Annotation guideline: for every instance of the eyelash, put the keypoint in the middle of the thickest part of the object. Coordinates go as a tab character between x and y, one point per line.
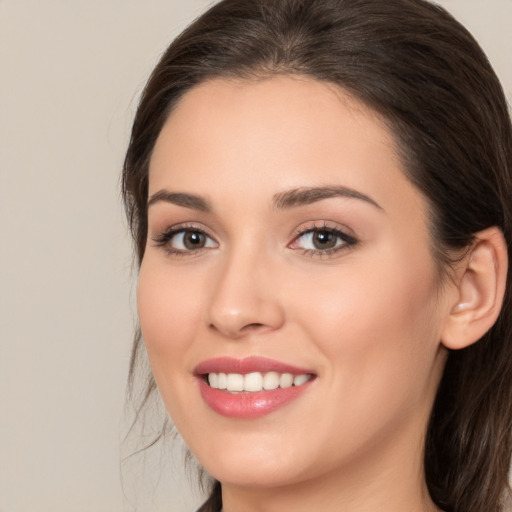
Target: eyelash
347	240
163	240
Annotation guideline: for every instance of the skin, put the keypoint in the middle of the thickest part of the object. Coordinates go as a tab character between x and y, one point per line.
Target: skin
367	319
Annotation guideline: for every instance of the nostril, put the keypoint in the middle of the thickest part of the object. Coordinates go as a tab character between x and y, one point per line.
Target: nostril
239	331
252	327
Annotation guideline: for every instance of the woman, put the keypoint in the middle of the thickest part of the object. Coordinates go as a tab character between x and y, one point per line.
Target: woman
319	194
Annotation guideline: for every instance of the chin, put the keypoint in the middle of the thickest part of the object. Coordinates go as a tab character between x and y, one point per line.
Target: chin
250	463
243	474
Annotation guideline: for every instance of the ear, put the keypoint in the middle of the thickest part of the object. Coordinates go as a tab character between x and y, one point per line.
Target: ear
481	283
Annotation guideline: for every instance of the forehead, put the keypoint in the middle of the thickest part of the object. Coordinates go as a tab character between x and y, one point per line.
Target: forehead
256	138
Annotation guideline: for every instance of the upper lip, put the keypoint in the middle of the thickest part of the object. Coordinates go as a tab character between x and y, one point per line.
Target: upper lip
247	365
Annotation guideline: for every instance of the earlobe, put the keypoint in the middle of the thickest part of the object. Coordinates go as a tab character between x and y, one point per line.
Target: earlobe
481	282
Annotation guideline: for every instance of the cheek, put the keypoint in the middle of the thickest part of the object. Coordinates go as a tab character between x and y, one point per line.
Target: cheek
377	324
168	313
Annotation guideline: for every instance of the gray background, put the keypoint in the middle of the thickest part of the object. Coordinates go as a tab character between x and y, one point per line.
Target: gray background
71	73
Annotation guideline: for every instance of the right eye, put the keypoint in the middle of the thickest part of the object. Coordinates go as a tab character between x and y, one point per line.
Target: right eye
183	240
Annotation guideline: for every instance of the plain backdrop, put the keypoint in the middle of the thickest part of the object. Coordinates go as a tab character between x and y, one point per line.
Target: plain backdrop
71	72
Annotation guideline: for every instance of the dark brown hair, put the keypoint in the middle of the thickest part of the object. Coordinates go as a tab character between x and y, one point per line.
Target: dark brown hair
423	72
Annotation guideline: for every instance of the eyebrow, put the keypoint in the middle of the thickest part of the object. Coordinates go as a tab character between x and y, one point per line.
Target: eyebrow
180	199
283	200
307	195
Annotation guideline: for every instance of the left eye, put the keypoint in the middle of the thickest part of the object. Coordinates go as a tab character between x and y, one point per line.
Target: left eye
323	239
190	240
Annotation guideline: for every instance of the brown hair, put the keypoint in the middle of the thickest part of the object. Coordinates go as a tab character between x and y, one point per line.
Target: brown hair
424	73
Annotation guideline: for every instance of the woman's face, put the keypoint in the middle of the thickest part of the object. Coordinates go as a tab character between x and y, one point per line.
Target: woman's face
285	244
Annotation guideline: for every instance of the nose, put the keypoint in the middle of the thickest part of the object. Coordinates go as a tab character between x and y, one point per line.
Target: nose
245	298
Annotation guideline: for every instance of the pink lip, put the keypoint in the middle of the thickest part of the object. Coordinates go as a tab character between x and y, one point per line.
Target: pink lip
247	405
247	365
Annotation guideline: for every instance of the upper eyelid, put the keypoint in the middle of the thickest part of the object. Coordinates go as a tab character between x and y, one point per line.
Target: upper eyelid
183	226
319	225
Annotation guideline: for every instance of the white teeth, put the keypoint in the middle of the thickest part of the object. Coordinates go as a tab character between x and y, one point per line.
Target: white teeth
213	380
222	381
255	381
286	380
298	380
235	382
271	381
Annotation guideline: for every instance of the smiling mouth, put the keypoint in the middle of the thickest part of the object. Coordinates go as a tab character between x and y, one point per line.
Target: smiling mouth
251	387
255	381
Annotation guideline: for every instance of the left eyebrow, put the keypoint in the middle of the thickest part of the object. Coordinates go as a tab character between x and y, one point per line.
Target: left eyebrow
307	195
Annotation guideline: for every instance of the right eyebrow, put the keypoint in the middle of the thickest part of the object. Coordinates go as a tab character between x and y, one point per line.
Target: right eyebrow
180	199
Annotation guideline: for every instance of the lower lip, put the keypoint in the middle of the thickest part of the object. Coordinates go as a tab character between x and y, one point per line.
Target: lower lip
249	405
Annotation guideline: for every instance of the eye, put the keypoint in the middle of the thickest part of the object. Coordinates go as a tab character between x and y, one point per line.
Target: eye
184	240
190	240
322	240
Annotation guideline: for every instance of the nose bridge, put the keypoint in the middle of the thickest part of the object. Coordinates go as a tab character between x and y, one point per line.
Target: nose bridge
244	298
